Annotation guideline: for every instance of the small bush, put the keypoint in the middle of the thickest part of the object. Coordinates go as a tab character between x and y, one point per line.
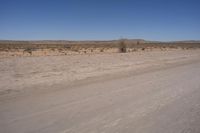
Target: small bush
122	46
29	50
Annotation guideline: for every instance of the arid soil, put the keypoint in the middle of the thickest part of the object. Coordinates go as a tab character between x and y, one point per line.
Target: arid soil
141	92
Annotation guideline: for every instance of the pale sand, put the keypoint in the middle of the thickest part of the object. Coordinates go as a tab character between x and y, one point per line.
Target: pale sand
22	73
142	92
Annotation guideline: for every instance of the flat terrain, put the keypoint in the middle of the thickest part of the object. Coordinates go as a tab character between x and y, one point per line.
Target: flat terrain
141	92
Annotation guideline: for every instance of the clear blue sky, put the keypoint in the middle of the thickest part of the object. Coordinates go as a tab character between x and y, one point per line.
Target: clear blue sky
100	19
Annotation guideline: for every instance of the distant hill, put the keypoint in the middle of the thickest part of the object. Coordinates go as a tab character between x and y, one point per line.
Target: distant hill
89	41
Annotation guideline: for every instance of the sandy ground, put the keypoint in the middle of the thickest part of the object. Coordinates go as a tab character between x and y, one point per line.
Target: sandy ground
141	92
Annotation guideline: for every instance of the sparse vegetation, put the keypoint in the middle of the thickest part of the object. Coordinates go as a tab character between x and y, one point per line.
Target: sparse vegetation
123	46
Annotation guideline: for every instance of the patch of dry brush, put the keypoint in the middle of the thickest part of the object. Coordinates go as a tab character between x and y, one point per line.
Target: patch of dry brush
31	48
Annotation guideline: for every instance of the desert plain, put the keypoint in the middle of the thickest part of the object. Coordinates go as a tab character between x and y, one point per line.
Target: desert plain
145	91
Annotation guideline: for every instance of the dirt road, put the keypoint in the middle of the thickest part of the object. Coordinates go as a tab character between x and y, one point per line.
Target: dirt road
162	97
